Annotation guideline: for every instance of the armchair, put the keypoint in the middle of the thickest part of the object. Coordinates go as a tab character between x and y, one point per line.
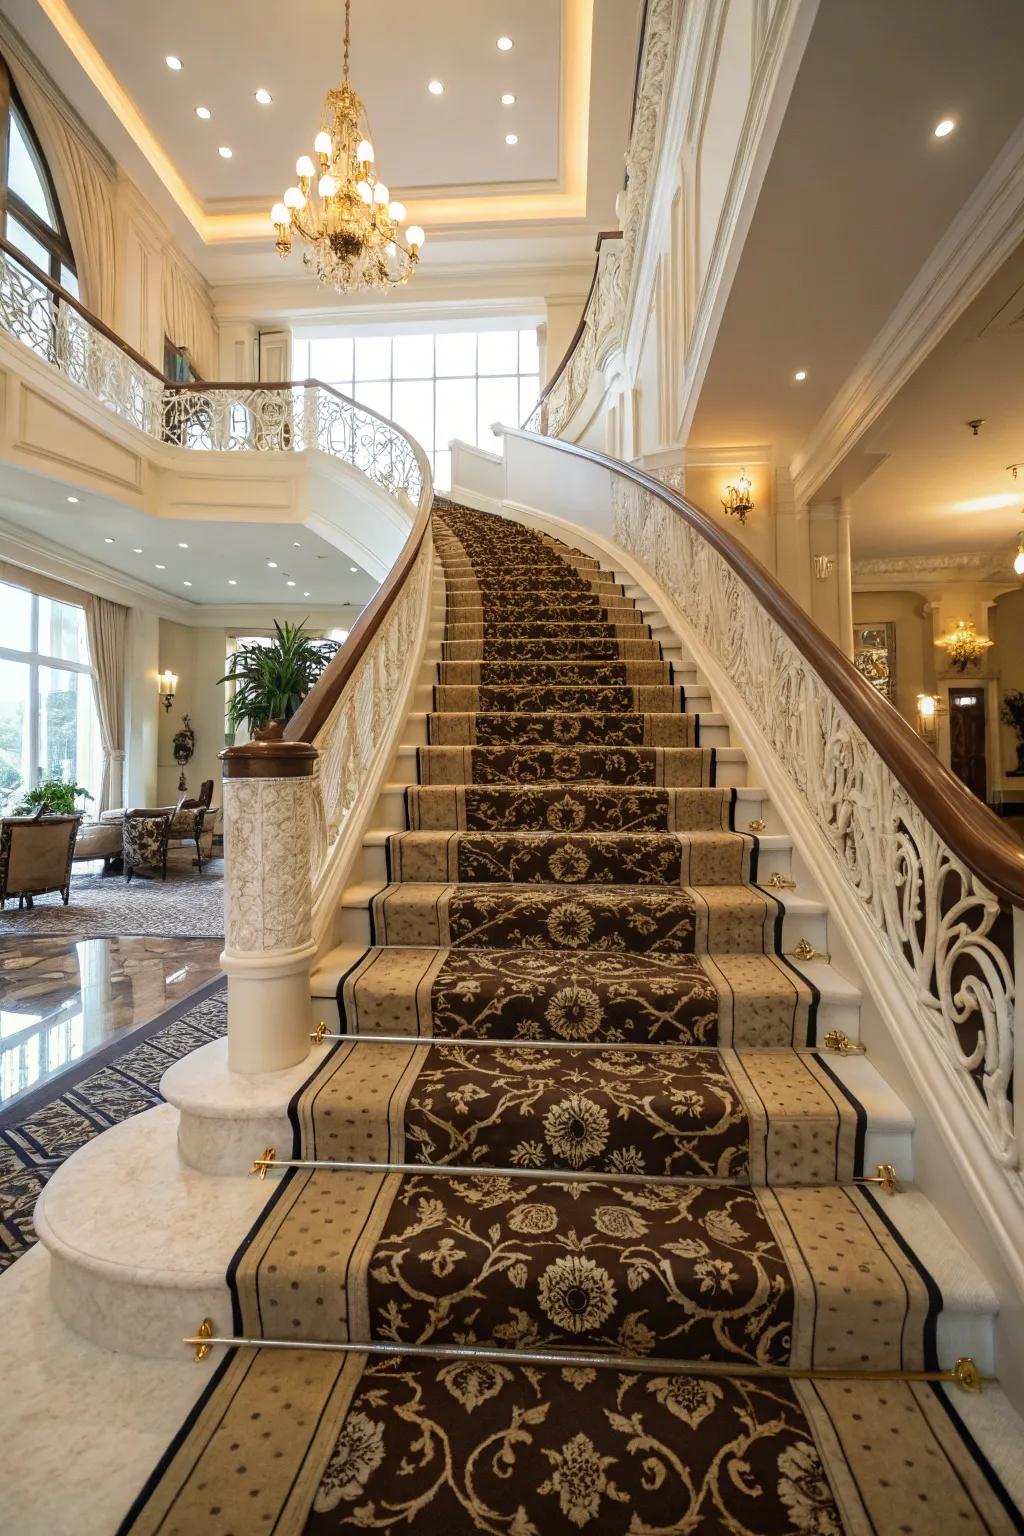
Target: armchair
145	836
35	856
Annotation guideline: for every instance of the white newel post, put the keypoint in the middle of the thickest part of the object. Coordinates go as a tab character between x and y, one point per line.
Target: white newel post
268	841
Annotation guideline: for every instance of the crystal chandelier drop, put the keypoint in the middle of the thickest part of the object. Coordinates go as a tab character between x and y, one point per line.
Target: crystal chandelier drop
340	209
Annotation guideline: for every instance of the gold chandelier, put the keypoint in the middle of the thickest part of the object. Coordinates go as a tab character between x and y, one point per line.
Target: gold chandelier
341	209
963	646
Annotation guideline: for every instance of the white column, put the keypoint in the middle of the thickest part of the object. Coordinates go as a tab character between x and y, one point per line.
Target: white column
268	898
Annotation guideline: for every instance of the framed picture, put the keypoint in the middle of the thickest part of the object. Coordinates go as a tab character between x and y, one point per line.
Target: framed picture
874	656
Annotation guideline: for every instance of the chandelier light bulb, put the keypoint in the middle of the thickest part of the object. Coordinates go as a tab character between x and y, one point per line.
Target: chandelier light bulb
380	193
364	151
365	191
293	198
414	236
396	211
305	167
322	143
280	214
327	186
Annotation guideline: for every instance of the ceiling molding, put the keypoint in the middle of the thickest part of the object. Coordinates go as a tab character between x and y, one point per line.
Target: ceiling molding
49	559
978	566
981	237
567	201
717	458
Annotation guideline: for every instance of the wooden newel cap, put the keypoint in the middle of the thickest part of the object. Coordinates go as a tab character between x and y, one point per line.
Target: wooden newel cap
269	756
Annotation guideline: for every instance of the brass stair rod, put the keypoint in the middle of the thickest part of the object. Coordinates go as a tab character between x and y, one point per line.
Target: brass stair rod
964	1373
322	1033
886	1175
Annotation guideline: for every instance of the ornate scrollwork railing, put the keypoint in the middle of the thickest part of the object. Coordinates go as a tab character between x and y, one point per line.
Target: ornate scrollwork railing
220	418
946	930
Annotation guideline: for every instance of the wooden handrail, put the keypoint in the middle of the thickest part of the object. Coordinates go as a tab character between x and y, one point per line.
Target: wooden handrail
965	824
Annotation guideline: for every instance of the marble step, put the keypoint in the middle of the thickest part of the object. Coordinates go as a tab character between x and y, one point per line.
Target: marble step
775	853
801	917
839	1001
392	807
140	1245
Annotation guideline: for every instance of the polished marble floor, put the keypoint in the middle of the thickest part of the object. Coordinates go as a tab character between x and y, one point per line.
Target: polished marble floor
65	1000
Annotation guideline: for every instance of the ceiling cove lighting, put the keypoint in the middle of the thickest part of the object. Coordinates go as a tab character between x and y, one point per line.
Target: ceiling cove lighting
945	128
172	61
504	44
204	113
348	225
435	87
508	100
264	97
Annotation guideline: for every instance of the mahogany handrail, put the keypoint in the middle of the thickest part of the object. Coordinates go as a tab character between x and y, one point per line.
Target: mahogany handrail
967	826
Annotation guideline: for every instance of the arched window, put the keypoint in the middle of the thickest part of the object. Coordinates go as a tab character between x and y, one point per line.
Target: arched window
31	218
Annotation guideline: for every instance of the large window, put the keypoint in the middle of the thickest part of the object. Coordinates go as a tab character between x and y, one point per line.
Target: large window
438	387
49	728
30	215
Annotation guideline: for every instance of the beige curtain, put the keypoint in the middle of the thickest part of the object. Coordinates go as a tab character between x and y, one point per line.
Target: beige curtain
108	635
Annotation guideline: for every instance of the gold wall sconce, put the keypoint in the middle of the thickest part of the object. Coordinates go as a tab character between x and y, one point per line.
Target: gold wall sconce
737	499
964	646
167	686
1018	559
823	567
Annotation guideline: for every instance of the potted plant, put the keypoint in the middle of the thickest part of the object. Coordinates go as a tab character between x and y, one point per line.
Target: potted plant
1012	714
57	796
272	678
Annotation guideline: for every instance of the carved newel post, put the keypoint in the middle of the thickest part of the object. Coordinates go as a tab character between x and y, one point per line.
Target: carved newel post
268	835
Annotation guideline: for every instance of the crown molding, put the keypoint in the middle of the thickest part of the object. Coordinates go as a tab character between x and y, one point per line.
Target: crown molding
982	235
983	567
710	457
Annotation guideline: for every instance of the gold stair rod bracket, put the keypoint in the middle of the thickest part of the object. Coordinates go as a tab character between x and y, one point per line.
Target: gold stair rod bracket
805	950
966	1374
777	881
884	1176
200	1340
839	1043
261	1164
757	825
320	1033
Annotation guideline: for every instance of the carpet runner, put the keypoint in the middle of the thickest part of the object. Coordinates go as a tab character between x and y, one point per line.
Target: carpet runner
582	1078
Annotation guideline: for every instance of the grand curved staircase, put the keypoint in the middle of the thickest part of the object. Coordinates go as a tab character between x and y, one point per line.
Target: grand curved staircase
587	1158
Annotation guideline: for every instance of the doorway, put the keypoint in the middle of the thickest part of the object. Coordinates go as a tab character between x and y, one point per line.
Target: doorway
967	738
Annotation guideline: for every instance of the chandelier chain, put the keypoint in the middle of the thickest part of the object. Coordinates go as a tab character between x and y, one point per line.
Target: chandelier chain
348	12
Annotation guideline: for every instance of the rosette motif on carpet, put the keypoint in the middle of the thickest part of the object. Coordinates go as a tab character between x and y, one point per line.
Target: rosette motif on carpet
603	1131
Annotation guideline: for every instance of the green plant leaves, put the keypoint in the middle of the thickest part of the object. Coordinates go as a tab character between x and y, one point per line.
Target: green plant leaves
272	680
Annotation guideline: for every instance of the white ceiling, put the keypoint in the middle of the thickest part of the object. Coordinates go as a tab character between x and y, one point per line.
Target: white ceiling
932	486
857	194
294	50
216	553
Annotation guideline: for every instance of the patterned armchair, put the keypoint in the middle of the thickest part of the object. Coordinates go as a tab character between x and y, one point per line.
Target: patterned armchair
35	856
145	836
187	827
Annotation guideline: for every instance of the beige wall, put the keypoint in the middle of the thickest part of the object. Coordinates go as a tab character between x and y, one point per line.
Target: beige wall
1007	630
915	652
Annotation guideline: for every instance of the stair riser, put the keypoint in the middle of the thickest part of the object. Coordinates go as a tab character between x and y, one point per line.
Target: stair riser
390	815
731	770
375	864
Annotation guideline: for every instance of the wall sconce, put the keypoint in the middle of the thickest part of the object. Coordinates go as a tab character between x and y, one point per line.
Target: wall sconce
737	500
963	646
823	566
167	684
928	711
1018	559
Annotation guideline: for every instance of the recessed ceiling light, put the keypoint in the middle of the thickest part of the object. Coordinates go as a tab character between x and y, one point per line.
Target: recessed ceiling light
232	582
305	594
108	541
264	97
186	583
204	113
296	544
172	61
224	152
511	138
159	567
291	583
800	375
272	564
508	100
73	500
181	545
136	551
353	568
435	87
945	128
505	43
